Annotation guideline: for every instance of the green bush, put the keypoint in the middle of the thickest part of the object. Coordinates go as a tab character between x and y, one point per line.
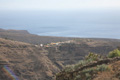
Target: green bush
92	56
88	76
102	67
78	77
82	63
88	59
114	53
69	68
89	70
88	73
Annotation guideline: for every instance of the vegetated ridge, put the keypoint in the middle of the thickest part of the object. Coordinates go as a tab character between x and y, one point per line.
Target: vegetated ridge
73	51
93	67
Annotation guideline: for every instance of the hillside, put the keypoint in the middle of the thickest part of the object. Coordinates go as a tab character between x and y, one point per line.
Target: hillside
30	61
14	31
92	67
26	61
72	51
25	36
34	62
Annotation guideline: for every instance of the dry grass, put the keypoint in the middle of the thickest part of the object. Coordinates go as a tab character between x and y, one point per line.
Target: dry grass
113	74
26	60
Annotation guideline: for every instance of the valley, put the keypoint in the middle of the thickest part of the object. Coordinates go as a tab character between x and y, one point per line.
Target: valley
31	61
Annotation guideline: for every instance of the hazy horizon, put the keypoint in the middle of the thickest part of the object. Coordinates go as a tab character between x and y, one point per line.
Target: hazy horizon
73	18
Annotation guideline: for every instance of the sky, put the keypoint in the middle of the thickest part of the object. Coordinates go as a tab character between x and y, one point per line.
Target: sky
58	4
86	18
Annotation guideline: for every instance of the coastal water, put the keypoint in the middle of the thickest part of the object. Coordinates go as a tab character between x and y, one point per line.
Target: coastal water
99	24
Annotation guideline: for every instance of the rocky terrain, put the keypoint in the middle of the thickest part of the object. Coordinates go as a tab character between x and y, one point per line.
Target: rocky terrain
31	61
74	51
27	61
92	68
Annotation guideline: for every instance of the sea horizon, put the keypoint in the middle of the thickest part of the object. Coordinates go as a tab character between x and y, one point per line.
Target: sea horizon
86	24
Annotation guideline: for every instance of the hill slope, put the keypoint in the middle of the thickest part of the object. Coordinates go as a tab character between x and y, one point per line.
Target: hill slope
27	61
74	51
24	36
92	69
30	61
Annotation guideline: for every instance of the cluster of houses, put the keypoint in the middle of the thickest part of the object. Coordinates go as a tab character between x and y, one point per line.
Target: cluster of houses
41	45
54	44
58	43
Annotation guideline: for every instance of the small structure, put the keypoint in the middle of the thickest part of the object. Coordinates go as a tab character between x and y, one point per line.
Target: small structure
41	45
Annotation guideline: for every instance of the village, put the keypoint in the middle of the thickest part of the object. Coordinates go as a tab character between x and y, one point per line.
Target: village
53	44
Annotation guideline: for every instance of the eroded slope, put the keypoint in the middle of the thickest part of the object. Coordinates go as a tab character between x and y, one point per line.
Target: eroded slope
27	61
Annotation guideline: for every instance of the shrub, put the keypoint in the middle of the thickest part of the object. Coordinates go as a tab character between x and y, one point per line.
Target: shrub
114	53
93	57
82	63
88	73
88	59
69	68
89	70
103	67
78	77
88	76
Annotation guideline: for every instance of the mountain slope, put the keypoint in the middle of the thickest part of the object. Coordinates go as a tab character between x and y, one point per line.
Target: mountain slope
92	68
25	36
27	61
74	51
30	61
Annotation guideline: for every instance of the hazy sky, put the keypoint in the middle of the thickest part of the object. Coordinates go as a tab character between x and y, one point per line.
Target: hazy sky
90	18
58	4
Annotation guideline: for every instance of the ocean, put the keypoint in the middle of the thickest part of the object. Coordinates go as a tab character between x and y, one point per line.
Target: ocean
83	24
